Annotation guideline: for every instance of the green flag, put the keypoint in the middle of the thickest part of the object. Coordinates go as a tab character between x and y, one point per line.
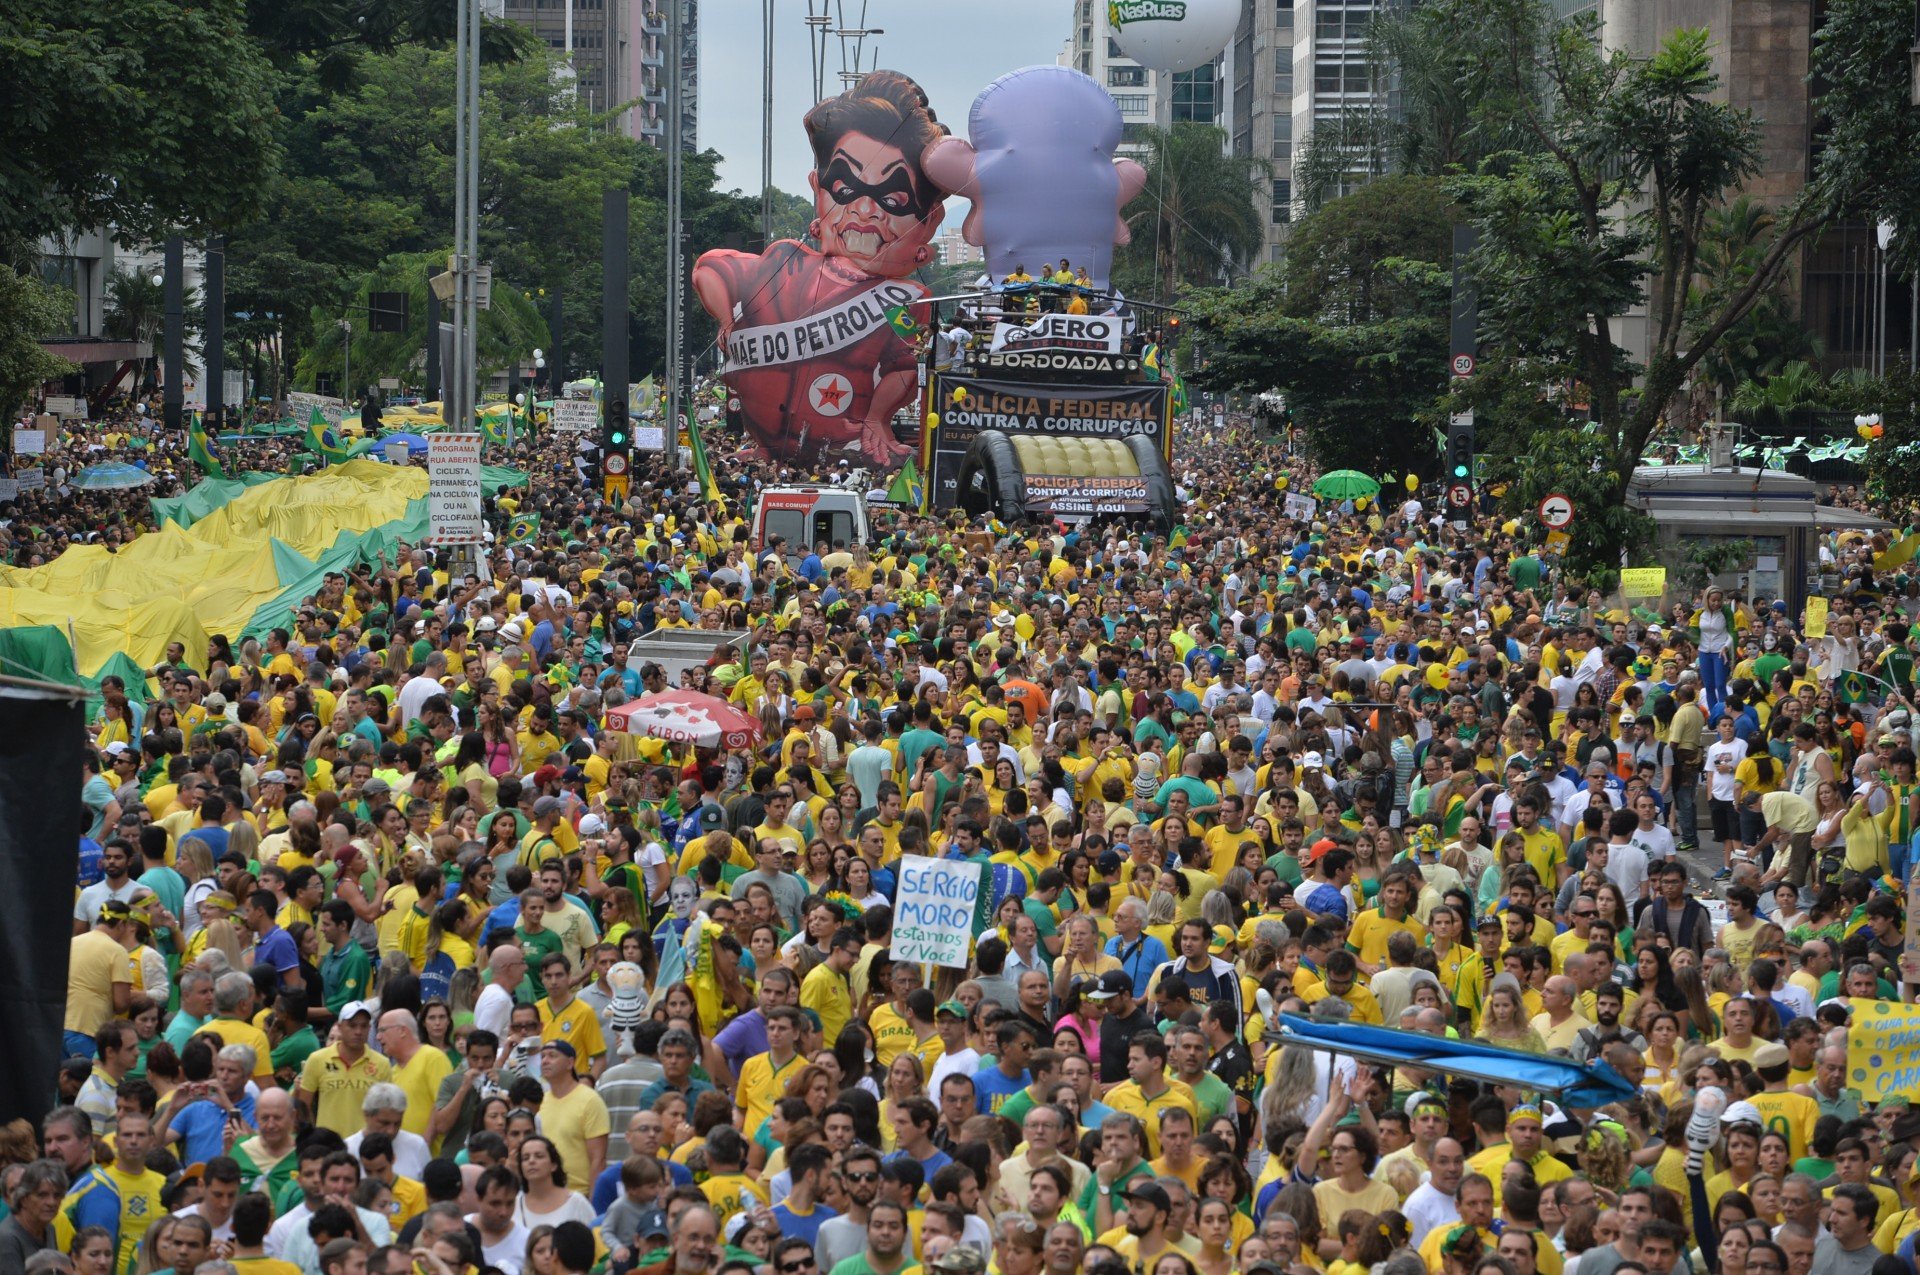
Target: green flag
907	490
1854	686
904	325
200	449
523	530
702	469
323	441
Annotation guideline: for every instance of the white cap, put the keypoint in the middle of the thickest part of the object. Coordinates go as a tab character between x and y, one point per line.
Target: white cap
1742	1112
1312	761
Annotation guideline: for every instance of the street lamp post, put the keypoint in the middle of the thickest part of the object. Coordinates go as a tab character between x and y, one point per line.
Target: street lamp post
1883	232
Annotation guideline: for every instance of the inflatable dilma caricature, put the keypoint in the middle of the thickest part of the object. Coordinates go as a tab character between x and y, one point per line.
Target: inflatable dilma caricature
817	342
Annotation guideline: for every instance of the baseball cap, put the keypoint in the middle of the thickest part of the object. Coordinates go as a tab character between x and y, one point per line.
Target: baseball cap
955	1008
1312	761
116	748
1742	1112
1222	938
352	1008
961	1259
1319	849
1112	983
376	785
545	806
712	818
561	1047
274	777
1153	1193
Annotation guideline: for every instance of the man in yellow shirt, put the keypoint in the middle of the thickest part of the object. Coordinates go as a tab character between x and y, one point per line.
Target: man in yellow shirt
763	1077
573	1116
564	1016
337	1077
417	1069
1372	928
826	991
1147	1090
1342	982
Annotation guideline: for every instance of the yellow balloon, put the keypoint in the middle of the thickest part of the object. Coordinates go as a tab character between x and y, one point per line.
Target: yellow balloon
1360	504
1280	483
1413	482
933	420
959	393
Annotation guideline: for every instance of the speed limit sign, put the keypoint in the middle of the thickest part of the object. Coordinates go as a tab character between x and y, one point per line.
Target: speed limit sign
1463	365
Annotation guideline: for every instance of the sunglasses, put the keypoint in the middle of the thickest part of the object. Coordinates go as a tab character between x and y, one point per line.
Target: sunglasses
804	1264
863	1177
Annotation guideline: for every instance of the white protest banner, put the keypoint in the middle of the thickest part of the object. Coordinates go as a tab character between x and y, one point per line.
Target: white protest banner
33	478
649	438
9	490
1299	507
300	407
453	490
1095	333
67	405
28	441
576	415
934	910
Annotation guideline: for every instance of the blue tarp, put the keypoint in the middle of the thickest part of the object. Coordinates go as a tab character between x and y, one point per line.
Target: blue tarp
1592	1085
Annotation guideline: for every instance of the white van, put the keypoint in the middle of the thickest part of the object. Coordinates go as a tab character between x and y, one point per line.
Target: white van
806	515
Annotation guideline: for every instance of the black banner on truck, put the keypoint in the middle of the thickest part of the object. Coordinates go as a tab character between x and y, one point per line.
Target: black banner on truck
1024	407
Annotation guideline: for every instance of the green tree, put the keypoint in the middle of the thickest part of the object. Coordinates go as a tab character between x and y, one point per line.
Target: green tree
28	310
511	327
1351	327
146	116
1609	206
1195	219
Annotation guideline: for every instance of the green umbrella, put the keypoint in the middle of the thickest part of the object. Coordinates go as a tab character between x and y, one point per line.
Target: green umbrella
1346	484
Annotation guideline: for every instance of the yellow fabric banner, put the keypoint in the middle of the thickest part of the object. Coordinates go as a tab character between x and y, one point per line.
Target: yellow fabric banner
180	586
1883	1048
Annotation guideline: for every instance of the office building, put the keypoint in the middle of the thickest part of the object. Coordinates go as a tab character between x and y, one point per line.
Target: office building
619	55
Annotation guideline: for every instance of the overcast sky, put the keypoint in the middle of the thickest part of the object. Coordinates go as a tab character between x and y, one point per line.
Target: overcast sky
953	48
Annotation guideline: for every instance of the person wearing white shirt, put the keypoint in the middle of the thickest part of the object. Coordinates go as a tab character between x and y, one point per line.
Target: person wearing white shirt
1431	1204
1651	835
1626	861
503	1241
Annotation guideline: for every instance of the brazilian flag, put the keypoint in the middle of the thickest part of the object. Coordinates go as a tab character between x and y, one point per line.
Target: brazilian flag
200	448
1854	686
907	490
324	441
496	425
1150	360
1178	394
523	530
904	325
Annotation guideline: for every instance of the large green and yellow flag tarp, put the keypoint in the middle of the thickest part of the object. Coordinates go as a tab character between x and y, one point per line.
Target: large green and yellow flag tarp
219	576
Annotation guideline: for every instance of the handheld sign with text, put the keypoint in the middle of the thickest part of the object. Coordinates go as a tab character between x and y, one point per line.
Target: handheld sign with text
934	911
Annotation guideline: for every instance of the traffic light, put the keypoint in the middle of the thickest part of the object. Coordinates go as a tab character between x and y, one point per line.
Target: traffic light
1459	466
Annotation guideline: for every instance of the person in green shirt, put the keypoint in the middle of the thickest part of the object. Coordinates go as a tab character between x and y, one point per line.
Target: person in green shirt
295	1036
886	1250
534	938
346	972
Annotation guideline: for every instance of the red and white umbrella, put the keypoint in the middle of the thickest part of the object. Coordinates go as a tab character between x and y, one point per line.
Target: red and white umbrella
686	717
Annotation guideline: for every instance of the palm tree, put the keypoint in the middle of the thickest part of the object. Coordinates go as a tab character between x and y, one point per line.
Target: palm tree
1196	219
1771	337
134	309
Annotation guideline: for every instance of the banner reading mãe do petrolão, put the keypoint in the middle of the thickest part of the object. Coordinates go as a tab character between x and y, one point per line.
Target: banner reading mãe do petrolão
1883	1049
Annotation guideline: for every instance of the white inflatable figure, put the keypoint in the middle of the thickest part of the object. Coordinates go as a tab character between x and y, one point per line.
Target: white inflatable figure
628	1008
